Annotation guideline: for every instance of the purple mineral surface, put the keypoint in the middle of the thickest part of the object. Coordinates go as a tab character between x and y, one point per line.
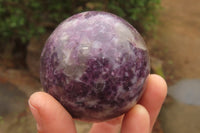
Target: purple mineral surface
95	64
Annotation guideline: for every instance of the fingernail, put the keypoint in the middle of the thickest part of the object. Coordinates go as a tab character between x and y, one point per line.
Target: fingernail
35	114
39	129
33	109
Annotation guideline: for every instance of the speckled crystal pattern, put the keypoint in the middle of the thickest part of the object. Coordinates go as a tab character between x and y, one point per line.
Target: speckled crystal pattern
95	64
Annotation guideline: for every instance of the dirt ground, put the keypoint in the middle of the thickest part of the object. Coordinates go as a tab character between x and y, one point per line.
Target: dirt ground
177	41
177	44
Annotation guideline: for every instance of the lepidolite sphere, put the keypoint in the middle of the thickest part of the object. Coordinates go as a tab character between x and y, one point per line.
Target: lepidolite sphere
95	64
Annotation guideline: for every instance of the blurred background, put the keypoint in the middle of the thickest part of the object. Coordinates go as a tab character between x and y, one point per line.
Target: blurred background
171	30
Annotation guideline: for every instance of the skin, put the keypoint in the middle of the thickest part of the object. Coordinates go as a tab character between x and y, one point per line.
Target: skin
51	117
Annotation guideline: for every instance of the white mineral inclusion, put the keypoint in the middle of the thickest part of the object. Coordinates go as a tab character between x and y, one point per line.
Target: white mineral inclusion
125	33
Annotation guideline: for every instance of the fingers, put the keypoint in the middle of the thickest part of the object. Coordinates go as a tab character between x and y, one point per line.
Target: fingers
137	120
153	97
142	117
111	126
51	117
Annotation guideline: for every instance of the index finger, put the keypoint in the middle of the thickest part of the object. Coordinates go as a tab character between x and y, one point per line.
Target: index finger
154	96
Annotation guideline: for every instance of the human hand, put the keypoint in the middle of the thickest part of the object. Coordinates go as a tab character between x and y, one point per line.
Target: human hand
51	116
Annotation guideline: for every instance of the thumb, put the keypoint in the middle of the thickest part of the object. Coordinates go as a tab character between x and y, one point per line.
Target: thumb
51	117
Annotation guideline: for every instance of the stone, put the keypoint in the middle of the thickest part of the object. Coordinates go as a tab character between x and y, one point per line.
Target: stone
22	79
186	91
176	117
95	64
180	113
12	100
34	50
15	88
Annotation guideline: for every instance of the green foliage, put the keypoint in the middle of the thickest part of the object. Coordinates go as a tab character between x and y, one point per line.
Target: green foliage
22	19
1	120
141	13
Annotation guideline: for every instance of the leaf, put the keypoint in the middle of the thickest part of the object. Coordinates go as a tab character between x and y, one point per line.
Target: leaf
117	10
41	30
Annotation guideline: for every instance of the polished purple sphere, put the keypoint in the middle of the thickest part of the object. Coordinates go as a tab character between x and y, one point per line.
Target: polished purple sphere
95	64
